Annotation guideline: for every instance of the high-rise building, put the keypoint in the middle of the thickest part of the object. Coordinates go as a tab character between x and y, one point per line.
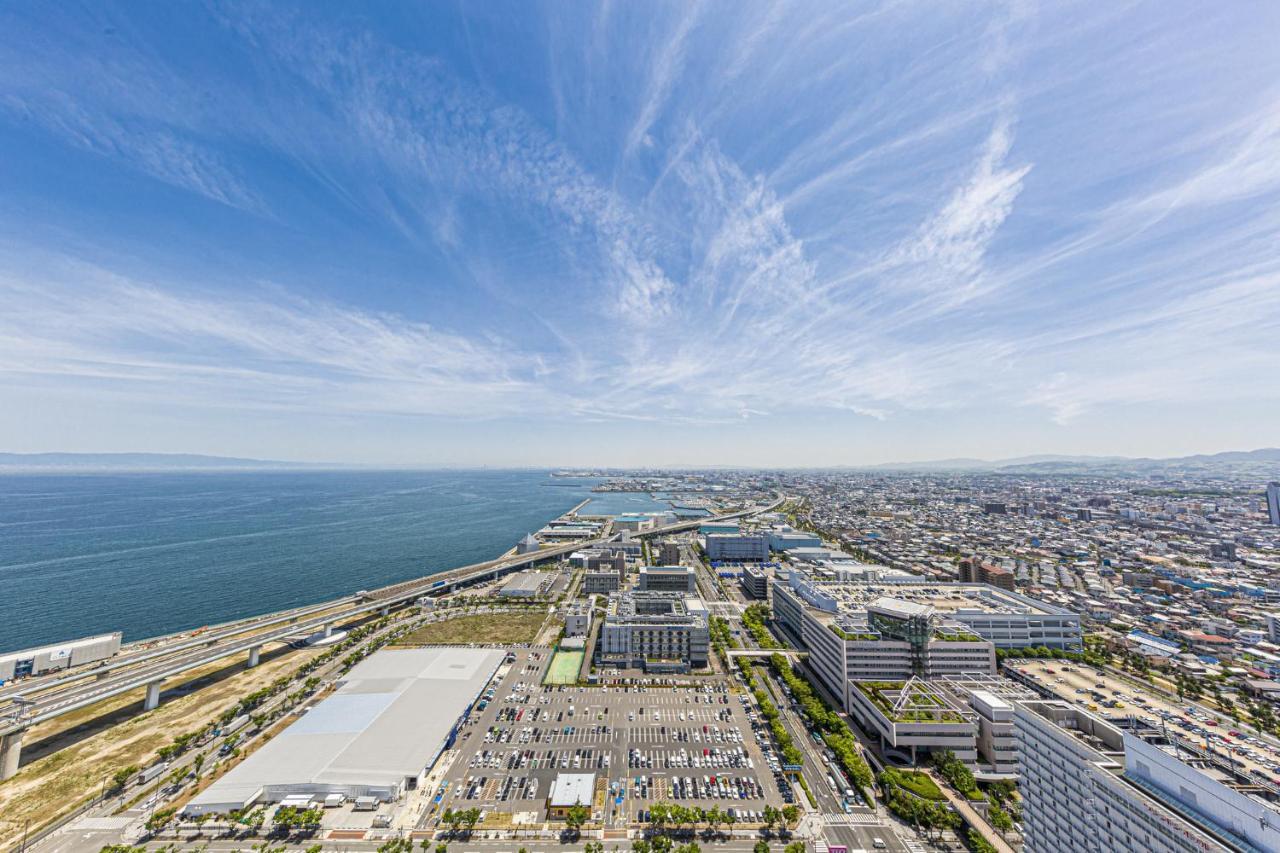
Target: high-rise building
669	554
1088	787
1273	502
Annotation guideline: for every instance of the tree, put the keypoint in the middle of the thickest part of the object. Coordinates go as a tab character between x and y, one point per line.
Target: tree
761	846
576	816
791	813
122	776
197	763
794	847
661	844
1000	819
640	845
593	847
442	848
770	816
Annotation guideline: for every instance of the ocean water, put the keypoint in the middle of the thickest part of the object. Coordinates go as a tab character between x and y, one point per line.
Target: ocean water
154	553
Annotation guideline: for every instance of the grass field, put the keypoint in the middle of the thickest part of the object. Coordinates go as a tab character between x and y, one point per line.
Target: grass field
486	628
564	668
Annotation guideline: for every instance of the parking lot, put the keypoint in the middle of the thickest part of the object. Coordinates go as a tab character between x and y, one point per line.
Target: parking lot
1112	697
694	745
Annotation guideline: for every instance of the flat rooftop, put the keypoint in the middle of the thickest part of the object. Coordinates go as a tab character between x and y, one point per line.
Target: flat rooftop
947	599
390	718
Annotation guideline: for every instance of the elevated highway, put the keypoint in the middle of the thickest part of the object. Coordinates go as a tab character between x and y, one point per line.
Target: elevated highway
42	700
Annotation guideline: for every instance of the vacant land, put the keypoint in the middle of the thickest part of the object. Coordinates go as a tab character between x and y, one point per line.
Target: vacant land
485	628
55	783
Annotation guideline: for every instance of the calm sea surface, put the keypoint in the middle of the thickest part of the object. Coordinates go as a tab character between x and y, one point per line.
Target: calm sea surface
150	554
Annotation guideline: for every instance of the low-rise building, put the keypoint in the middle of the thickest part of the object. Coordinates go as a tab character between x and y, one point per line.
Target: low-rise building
668	579
601	583
569	790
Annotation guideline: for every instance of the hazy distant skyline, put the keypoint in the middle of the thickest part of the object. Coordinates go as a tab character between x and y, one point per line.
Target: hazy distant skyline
626	234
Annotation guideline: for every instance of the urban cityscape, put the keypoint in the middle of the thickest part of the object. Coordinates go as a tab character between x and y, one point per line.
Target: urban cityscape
827	661
603	426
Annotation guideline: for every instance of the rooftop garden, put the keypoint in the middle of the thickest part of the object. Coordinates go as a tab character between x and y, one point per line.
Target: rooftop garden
935	709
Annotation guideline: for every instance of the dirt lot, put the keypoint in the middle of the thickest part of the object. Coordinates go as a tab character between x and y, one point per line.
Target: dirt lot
58	781
485	628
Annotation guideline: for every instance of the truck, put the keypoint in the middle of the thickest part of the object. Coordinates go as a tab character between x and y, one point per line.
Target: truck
365	804
149	773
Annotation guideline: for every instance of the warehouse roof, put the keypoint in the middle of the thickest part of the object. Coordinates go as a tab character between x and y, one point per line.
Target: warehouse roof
389	719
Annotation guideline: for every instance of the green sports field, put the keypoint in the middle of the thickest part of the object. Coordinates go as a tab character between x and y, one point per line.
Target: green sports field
564	668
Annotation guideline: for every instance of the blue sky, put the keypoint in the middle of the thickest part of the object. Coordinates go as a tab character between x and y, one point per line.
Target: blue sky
640	233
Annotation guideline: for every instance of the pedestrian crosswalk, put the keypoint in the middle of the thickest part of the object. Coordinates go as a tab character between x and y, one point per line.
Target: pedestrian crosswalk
855	819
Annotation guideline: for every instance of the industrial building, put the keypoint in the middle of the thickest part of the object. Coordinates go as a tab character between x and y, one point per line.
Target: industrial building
377	736
634	522
737	547
668	579
785	537
38	661
659	631
528	584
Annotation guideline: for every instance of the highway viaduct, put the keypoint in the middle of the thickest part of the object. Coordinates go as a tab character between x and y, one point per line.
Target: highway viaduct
151	668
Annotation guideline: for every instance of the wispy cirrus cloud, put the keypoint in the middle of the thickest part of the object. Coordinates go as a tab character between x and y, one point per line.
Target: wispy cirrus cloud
670	215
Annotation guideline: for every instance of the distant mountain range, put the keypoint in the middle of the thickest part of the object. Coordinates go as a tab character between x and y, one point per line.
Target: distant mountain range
1232	461
138	462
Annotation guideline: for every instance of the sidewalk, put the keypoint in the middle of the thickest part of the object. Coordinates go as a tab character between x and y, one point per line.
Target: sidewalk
971	815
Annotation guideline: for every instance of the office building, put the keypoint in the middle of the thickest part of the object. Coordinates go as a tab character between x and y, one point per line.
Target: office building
755	581
737	547
657	631
668	579
601	583
1273	503
609	561
669	554
577	619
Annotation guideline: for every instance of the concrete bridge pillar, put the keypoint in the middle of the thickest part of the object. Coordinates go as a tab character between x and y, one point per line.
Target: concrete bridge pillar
386	611
10	752
254	651
328	629
153	695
